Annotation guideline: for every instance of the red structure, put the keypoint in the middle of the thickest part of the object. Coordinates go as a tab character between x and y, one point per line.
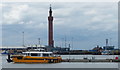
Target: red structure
50	29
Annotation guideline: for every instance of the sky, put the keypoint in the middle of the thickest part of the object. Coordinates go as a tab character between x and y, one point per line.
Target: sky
83	24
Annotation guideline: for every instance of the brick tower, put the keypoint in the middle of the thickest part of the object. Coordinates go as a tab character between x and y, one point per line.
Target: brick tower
50	28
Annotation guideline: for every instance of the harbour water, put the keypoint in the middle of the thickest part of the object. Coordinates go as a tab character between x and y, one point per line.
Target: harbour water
66	64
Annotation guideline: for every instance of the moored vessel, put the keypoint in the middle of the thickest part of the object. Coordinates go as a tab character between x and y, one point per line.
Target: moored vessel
35	57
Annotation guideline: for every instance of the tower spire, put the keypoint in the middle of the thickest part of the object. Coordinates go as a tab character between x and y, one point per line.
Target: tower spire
50	11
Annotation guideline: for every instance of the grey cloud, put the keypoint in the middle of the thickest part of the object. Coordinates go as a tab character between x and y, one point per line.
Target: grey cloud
83	21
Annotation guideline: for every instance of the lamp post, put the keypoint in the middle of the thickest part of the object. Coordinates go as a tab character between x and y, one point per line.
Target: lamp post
23	39
69	52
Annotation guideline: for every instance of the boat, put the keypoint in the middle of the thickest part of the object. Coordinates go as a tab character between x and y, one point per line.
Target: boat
105	52
4	53
35	57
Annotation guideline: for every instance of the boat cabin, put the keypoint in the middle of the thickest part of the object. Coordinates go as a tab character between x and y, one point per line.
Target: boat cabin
39	54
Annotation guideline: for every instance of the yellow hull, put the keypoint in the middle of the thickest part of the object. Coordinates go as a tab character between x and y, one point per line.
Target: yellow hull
29	59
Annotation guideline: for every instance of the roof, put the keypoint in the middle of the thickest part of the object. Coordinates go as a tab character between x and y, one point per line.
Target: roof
37	52
22	46
13	47
35	46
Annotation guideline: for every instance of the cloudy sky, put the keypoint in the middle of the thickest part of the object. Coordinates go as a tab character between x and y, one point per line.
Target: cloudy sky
83	24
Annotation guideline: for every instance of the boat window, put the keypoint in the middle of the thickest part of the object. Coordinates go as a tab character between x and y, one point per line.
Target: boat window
51	55
39	54
25	53
45	55
34	54
28	54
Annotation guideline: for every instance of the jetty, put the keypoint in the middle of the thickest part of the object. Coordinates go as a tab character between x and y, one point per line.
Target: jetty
90	60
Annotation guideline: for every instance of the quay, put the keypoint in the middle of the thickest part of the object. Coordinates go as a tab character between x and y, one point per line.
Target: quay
90	60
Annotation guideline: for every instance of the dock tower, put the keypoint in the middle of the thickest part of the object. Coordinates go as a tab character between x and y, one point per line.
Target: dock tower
50	28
